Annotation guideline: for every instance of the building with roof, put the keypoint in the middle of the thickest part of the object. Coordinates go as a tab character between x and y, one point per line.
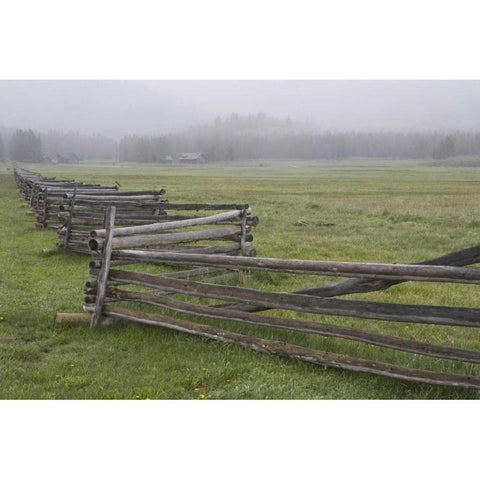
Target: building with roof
70	158
194	157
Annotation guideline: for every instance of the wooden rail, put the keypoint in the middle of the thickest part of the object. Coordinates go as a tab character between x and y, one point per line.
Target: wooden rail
238	303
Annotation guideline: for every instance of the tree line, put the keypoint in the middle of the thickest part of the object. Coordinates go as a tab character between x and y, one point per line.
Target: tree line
237	139
32	146
242	138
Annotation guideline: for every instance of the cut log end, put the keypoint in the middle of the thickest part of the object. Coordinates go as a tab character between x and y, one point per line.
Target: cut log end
95	264
93	245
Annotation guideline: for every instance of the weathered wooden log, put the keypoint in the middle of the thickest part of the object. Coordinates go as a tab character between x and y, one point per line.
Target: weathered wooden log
60	192
154	193
249	222
83	239
83	222
228	249
223	249
327	330
459	258
58	187
125	202
105	267
114	199
49	201
426	273
91	286
459	316
124	207
123	211
162	239
55	183
94	270
89	224
159	227
318	357
82	189
96	217
238	238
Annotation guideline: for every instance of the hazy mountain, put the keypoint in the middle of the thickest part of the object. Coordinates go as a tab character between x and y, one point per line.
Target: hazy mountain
110	108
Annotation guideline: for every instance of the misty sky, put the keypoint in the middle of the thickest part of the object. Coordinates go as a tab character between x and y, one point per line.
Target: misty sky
154	107
340	105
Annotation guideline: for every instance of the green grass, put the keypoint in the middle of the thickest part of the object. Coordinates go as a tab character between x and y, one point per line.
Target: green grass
382	211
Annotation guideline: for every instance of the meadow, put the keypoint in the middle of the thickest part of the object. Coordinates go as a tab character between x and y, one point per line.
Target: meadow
376	211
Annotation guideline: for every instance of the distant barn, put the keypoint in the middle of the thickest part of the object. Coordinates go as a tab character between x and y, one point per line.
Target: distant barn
195	157
71	158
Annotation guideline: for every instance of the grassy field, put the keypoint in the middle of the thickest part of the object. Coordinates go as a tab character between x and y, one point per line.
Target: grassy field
381	211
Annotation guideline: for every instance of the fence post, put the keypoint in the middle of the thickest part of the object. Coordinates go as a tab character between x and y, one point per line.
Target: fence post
32	194
45	201
105	267
70	217
243	247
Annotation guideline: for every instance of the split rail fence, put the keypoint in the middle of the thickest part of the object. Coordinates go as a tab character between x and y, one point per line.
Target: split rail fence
75	208
219	243
82	212
241	304
45	195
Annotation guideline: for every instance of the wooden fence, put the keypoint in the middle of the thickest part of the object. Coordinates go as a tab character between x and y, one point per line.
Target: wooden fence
81	213
75	208
49	201
45	195
142	228
241	304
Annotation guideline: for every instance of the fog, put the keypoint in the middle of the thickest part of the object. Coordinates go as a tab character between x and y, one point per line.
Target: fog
117	108
111	108
360	105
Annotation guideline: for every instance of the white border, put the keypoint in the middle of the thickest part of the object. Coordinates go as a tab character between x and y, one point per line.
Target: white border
238	440
252	39
238	40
